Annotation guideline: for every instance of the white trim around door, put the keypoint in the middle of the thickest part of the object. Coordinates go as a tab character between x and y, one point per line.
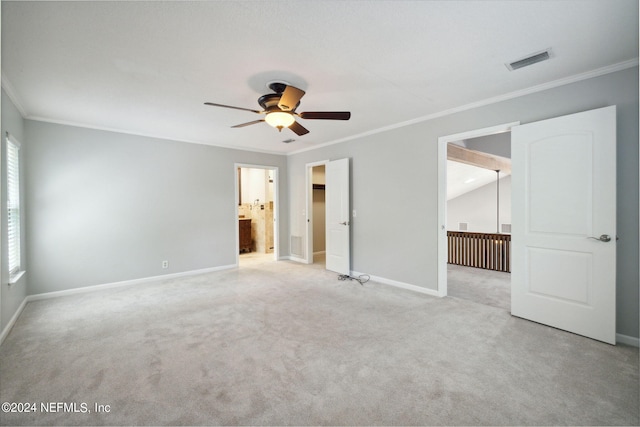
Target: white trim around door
442	193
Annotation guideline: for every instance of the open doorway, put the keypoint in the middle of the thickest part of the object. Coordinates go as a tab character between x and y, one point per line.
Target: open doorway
331	200
562	275
475	216
316	218
256	213
479	219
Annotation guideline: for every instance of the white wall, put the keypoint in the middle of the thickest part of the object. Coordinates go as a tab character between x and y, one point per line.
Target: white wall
254	185
394	183
478	208
105	207
270	177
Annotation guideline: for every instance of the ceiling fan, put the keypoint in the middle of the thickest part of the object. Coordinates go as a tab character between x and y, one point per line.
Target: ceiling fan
280	109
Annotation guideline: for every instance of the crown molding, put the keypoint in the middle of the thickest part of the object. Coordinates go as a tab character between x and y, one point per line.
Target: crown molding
148	135
11	93
494	100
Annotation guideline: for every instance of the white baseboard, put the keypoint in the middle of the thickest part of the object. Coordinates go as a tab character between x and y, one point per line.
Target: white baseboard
297	259
620	338
398	284
14	319
626	339
94	288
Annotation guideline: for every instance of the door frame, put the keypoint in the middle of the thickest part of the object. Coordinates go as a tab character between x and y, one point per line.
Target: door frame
309	208
442	193
276	208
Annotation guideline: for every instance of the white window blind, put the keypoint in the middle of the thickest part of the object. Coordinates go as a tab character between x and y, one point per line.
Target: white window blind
13	204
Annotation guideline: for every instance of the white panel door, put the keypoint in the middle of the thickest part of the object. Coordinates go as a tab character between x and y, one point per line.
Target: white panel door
337	216
564	225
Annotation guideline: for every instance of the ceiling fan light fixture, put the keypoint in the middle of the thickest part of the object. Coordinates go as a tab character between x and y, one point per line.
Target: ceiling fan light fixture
280	109
280	119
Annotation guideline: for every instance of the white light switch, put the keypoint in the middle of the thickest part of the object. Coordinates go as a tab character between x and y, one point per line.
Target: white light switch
354	213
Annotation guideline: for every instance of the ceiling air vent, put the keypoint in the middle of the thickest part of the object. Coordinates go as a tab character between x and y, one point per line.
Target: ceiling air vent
530	60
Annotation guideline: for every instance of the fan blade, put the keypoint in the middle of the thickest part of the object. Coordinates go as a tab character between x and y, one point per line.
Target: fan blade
326	115
290	98
298	129
230	106
248	123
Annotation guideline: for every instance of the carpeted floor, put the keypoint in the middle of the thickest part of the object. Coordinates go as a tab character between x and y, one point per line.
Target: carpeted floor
482	286
288	344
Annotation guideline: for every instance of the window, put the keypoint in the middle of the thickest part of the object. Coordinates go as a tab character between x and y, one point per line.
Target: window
13	205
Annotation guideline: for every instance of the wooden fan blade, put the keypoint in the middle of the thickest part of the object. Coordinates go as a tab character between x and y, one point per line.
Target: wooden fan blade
230	106
290	98
326	115
298	129
248	123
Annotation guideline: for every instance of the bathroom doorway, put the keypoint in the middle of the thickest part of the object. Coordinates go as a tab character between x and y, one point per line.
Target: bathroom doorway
256	214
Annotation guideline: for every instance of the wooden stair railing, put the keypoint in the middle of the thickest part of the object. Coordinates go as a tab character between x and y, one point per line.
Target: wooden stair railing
482	250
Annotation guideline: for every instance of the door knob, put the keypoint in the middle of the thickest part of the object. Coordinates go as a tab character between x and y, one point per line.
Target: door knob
602	238
345	223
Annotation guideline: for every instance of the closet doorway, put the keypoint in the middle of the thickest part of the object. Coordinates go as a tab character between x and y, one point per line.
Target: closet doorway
256	214
316	244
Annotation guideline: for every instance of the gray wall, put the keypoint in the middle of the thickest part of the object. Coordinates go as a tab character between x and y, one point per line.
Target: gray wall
498	144
11	296
105	207
394	184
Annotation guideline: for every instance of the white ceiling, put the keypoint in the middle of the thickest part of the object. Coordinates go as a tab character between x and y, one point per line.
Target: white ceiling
147	67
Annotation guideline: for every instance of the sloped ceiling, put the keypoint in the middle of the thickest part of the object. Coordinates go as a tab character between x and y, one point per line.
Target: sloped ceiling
147	67
463	178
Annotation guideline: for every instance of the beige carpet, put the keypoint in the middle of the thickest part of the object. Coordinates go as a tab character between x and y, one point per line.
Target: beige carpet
486	287
289	344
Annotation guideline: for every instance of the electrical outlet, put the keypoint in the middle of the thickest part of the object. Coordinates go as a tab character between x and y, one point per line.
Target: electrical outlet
165	264
354	213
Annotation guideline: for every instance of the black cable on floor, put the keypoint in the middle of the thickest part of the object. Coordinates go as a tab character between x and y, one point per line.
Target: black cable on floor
362	279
